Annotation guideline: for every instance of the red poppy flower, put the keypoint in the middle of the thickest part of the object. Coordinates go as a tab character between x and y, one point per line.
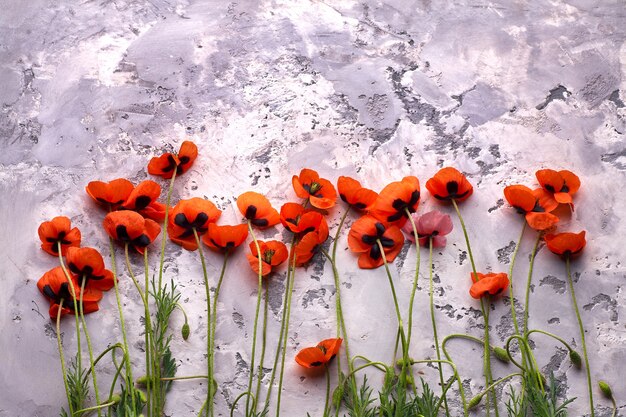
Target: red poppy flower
490	283
319	191
225	238
273	253
130	227
536	205
322	354
449	184
308	246
165	164
154	211
195	213
142	196
432	225
256	208
58	230
351	192
110	194
566	244
363	237
562	184
299	220
395	199
87	264
55	287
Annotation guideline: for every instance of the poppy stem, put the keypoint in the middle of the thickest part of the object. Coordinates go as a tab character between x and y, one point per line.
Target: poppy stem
567	346
511	297
582	332
493	385
89	347
164	234
263	345
412	299
152	360
214	320
62	357
210	393
405	351
432	316
256	318
129	371
326	408
529	280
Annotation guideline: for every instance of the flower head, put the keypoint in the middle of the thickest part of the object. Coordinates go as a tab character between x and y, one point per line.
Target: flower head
322	354
87	264
566	245
256	208
225	238
144	194
536	205
189	215
55	286
308	246
110	194
432	225
272	253
449	184
491	283
363	239
58	230
351	192
561	184
396	199
131	228
165	164
320	192
299	220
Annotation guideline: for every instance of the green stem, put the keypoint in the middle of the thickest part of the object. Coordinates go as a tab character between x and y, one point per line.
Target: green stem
511	297
89	347
326	408
263	345
95	407
432	316
567	346
164	234
256	317
213	327
582	333
62	357
151	361
499	381
414	289
181	378
240	396
529	280
207	290
74	298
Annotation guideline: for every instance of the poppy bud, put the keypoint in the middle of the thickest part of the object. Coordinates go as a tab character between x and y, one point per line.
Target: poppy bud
142	396
115	398
400	362
501	354
606	389
410	380
338	396
576	359
142	381
390	377
474	401
185	331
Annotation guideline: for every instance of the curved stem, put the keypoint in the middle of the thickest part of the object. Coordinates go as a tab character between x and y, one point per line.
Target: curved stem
256	317
240	396
582	333
62	357
213	322
209	398
95	407
89	347
511	297
376	365
432	317
529	280
569	348
164	234
499	381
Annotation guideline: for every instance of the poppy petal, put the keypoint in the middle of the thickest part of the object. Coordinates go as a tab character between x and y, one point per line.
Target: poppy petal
541	221
311	357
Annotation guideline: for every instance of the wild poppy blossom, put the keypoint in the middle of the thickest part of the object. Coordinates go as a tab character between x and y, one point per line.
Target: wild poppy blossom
131	228
297	219
145	193
432	225
56	288
566	244
273	253
110	194
320	192
395	199
449	184
536	205
561	184
195	213
165	164
58	230
87	264
491	283
322	354
351	192
363	237
308	245
256	208
225	238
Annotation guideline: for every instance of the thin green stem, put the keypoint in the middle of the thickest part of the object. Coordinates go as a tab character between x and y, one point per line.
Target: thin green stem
207	290
164	234
95	407
326	408
529	280
567	346
62	357
240	396
75	301
263	345
415	279
432	316
499	381
213	327
150	359
582	332
182	378
256	316
89	347
511	297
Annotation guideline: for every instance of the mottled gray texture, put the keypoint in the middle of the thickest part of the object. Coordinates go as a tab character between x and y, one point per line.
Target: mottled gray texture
378	90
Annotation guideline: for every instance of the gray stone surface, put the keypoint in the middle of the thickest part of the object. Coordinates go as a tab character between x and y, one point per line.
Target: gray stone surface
92	89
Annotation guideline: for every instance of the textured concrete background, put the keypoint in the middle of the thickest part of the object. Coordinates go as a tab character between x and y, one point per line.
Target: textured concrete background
376	89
